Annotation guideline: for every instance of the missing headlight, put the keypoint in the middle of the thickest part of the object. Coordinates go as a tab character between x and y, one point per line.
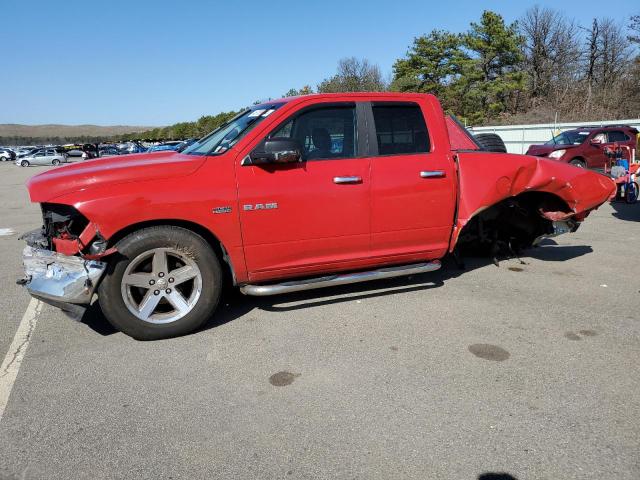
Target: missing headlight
62	221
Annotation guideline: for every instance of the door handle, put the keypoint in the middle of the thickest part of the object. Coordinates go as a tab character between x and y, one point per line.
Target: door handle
433	174
352	179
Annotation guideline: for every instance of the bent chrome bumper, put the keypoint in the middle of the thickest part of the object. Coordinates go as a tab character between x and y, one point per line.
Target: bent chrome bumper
58	279
559	227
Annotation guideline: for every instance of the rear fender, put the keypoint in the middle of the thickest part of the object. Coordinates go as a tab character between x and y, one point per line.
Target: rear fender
488	178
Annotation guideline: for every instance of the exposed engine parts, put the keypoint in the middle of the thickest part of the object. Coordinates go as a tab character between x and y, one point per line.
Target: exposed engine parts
67	231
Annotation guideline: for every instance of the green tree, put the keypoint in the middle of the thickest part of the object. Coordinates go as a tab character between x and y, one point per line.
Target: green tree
433	63
293	92
492	79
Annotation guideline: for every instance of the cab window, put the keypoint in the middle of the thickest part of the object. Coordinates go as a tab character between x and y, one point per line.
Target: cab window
400	129
323	133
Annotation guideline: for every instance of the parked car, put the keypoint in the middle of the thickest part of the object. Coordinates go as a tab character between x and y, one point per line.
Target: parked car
7	155
131	147
166	146
23	152
274	202
75	152
584	147
42	156
108	151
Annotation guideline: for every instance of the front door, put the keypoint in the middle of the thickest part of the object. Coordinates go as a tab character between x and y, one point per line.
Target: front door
312	216
594	151
412	185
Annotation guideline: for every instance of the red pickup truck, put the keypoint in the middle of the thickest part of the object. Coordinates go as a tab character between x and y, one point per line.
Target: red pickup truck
290	195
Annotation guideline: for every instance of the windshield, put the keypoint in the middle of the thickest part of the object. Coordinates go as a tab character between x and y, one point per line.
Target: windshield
572	137
228	134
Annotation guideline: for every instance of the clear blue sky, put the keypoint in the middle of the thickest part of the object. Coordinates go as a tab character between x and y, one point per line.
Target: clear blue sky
143	62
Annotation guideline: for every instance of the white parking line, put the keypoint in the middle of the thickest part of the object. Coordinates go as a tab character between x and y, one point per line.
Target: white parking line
13	359
5	232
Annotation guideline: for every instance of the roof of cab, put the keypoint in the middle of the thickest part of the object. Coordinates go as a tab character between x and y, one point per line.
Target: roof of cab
362	95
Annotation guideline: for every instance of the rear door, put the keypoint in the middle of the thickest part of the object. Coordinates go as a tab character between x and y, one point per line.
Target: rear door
412	184
311	216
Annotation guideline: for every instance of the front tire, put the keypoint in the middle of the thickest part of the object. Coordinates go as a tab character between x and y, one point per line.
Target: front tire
55	163
576	162
163	282
24	163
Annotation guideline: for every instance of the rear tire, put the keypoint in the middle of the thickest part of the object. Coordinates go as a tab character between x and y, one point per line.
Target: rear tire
24	163
576	162
55	163
631	195
491	142
139	256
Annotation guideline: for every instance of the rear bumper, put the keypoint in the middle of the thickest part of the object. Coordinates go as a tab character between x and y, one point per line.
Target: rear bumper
559	227
58	279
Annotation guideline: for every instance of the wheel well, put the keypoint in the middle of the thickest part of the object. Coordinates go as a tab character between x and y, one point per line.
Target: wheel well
511	224
204	232
578	158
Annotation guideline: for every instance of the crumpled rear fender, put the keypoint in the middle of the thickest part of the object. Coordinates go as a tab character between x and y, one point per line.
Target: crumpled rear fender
487	178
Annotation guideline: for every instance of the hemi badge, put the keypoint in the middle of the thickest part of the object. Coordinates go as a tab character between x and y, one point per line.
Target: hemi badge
222	210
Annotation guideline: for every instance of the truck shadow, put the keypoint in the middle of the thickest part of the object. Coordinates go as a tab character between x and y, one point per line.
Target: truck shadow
234	305
626	211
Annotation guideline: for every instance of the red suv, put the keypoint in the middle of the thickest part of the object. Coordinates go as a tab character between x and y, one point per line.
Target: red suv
584	146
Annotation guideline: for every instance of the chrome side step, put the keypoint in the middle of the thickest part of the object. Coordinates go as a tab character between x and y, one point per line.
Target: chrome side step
339	279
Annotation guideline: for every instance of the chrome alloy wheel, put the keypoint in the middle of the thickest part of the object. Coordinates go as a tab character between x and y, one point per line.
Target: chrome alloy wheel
161	285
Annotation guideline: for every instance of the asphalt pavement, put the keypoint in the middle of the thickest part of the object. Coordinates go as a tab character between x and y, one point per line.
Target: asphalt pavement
529	370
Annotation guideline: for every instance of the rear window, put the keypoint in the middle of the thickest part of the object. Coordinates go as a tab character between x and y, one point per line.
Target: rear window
400	129
618	136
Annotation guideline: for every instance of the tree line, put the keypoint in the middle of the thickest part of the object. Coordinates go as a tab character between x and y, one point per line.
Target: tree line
542	65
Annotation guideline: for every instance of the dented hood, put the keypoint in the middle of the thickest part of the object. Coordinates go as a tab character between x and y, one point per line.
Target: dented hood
47	186
487	178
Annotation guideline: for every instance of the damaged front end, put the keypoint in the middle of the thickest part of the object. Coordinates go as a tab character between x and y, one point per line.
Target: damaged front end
58	279
62	259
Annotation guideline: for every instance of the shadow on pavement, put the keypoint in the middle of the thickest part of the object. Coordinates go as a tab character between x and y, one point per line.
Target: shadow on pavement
496	476
558	253
234	304
626	211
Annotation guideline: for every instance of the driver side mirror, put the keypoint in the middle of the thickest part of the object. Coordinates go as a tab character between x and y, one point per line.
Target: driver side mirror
275	150
596	141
